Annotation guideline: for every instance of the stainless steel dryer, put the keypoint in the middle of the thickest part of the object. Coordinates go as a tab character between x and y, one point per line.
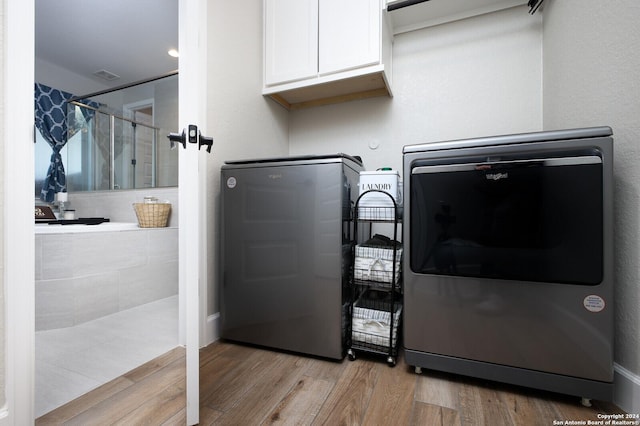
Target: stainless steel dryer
286	247
508	259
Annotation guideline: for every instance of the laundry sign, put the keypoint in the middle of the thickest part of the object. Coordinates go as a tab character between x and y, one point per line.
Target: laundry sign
381	186
379	205
381	180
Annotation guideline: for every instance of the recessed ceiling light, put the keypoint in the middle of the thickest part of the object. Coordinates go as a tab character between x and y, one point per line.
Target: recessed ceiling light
173	52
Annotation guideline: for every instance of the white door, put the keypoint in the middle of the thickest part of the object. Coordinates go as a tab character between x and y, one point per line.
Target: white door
192	82
18	227
17	184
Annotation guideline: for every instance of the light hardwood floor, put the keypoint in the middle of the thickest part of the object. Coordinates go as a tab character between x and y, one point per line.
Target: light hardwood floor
242	385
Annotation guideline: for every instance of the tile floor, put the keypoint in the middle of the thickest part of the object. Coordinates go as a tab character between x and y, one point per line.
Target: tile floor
71	361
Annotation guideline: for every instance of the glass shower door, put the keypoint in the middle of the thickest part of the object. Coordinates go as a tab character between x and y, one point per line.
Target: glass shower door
111	152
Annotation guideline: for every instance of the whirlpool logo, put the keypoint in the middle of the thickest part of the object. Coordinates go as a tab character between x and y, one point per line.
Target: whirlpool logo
497	176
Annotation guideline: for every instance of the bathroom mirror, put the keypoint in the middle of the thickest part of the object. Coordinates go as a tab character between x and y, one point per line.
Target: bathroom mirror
122	144
117	139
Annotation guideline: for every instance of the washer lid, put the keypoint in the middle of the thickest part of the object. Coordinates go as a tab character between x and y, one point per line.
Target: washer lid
556	135
299	158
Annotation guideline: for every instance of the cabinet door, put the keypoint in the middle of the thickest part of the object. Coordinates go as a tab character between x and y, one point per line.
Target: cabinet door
349	34
291	40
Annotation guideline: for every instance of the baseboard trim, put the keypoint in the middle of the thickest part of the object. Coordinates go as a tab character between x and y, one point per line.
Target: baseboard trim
626	390
212	330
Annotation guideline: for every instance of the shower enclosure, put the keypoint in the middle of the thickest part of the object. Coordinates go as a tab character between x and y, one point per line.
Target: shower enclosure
110	151
117	140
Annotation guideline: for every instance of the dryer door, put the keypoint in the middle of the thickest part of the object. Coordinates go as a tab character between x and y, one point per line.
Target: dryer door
536	219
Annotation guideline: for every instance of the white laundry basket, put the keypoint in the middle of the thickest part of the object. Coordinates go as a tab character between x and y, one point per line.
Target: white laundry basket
376	264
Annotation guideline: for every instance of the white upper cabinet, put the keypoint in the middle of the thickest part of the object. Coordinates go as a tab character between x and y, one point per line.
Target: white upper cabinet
349	34
325	51
291	40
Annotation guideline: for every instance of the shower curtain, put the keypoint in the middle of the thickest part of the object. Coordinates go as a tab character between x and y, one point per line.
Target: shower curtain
51	121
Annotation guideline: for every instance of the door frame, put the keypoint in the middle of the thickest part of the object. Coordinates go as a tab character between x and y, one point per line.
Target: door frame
129	111
18	227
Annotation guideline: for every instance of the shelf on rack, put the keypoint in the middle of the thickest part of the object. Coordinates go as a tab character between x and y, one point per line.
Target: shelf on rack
376	318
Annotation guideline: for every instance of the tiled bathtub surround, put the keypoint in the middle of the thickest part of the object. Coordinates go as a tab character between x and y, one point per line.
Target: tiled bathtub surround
84	276
118	205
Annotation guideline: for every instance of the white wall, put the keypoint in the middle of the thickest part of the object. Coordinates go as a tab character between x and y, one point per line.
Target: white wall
2	197
591	70
242	122
475	77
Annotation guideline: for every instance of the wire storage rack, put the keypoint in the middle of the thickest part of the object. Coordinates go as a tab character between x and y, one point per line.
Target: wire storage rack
376	314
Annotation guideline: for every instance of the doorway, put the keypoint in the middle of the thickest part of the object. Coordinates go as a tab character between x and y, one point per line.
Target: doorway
103	322
18	226
142	142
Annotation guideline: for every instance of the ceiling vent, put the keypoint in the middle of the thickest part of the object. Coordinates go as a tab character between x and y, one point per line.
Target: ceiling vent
106	75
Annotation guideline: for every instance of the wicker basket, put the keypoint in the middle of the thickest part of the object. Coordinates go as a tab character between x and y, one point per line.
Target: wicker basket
152	215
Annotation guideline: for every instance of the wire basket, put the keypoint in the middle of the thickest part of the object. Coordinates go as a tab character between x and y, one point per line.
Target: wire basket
372	324
152	215
377	264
